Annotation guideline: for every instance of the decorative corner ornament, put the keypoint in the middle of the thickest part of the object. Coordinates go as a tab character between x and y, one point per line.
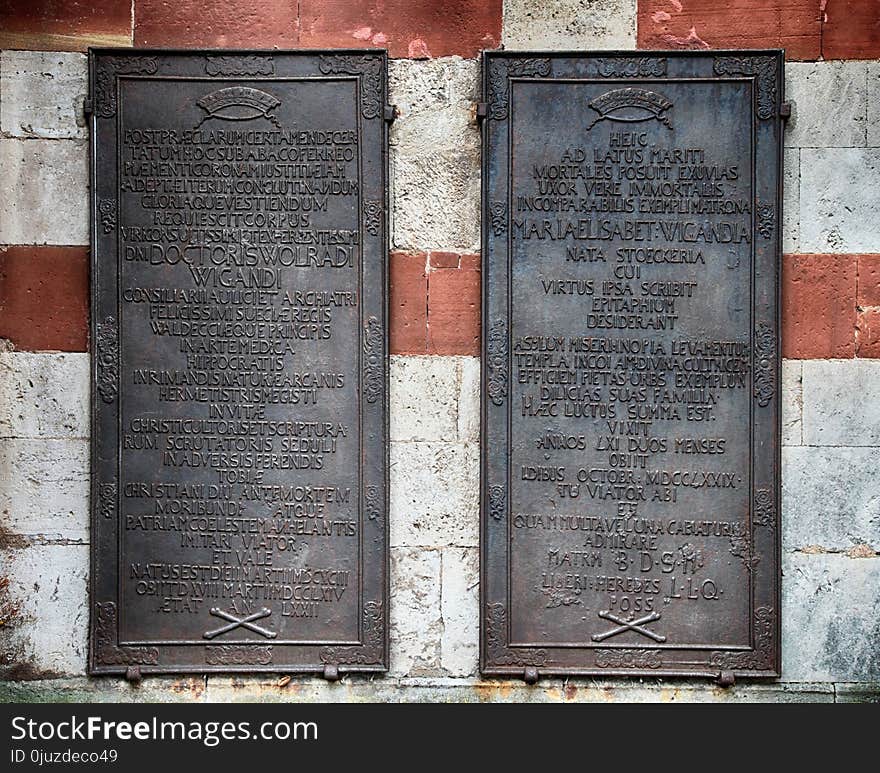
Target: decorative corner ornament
763	68
107	650
105	81
501	70
370	70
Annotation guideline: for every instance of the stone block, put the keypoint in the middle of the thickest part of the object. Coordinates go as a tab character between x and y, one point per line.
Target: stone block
407	29
435	155
701	24
830	498
416	624
850	29
454	309
408	304
44	192
841	402
424	393
43	94
829	104
44	395
818	306
43	593
460	643
65	25
44	297
791	192
435	494
839	208
830	618
469	401
792	403
217	23
44	488
569	25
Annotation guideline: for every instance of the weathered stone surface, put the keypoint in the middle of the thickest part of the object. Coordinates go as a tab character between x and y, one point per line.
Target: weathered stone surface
569	25
850	29
45	618
44	192
44	395
469	401
873	104
460	575
434	494
841	402
44	297
416	625
65	25
408	303
830	618
44	487
407	29
791	193
217	23
857	693
818	306
435	155
792	402
869	280
829	104
830	498
790	24
423	398
272	689
156	689
839	210
868	333
43	94
454	307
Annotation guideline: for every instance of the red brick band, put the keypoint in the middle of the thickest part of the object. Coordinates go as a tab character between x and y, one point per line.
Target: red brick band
830	303
806	29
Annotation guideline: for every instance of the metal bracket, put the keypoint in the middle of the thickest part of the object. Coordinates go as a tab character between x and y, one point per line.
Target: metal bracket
391	112
785	111
726	679
133	674
530	675
482	111
331	673
88	106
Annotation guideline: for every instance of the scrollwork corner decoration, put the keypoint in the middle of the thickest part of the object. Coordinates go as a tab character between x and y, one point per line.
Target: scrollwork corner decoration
763	68
370	653
501	70
370	70
105	81
499	652
107	650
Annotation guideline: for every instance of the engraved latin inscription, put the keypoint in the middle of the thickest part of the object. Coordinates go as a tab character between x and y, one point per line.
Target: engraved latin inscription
241	357
627	357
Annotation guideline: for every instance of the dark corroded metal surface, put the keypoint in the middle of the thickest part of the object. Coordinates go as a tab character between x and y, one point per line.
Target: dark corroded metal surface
630	448
239	231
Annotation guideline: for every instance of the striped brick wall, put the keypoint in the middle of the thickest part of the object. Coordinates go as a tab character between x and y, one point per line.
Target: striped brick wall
831	323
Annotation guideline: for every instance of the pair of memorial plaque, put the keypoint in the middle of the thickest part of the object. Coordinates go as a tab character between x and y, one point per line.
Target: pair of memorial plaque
630	412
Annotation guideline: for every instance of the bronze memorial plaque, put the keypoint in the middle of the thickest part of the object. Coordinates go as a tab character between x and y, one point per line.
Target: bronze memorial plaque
239	445
630	449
